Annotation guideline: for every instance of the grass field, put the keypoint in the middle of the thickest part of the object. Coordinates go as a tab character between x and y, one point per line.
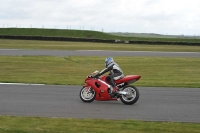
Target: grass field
23	44
81	34
72	70
61	125
153	35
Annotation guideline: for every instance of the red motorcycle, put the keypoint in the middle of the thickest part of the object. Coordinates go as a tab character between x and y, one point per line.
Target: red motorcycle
97	88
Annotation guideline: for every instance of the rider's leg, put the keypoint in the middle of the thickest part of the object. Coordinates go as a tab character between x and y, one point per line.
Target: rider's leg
114	77
111	82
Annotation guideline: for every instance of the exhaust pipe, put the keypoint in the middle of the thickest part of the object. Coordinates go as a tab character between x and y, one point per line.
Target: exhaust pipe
122	92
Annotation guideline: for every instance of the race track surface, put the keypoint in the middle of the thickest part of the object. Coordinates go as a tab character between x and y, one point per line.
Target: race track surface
20	52
154	104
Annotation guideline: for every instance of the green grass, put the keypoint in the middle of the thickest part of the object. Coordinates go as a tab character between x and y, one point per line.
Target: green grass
156	71
10	124
55	32
81	34
153	35
24	44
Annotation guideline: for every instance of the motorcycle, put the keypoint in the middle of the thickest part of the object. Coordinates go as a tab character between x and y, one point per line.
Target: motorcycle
97	88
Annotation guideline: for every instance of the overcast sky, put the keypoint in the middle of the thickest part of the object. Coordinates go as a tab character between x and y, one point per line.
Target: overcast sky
171	17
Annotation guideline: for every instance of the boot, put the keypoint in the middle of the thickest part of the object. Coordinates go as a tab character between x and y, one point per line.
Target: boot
114	89
113	94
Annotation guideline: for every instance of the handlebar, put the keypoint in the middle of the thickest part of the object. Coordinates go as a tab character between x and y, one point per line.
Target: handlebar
90	76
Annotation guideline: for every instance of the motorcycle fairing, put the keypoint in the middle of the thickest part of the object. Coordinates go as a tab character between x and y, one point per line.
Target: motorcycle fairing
101	90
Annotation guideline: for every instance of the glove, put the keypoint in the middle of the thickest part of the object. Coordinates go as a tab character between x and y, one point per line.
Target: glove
96	76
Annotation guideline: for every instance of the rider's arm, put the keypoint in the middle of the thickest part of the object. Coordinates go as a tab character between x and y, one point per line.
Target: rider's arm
106	70
103	71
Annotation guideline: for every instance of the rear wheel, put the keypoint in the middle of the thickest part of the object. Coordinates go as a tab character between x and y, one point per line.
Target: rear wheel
132	96
87	95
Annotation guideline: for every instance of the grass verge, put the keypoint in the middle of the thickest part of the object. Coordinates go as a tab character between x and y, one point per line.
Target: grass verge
10	124
24	44
72	70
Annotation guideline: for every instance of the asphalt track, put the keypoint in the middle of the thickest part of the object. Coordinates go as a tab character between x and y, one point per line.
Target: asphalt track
20	52
154	104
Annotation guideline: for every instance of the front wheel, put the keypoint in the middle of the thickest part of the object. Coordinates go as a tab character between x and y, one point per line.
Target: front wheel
87	95
132	96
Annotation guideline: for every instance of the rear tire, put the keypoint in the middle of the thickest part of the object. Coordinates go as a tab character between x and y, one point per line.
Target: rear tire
87	96
132	97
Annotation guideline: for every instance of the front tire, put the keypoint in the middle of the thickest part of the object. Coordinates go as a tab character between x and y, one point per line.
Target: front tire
132	97
87	96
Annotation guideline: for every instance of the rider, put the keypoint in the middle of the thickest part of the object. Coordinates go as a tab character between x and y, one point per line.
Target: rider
115	73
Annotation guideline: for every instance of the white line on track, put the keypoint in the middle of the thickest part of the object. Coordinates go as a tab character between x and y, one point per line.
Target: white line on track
18	84
10	49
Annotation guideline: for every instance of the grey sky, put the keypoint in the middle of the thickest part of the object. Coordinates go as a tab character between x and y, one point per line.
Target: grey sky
141	16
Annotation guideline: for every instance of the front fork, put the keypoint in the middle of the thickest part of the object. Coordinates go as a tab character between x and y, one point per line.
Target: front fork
87	88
